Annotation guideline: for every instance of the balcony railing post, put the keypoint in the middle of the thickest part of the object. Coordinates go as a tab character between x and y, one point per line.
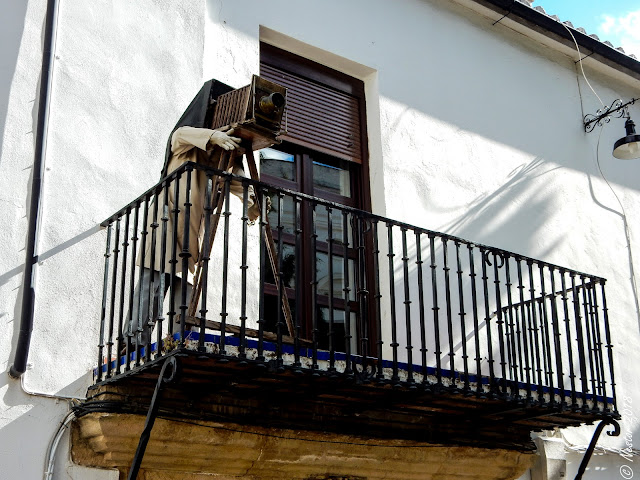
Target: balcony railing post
346	293
499	318
378	298
330	333
131	322
244	267
297	204
556	338
447	291
609	347
567	321
476	325
362	290
581	352
103	307
150	300
462	314
487	319
139	344
112	305
280	324
535	330
314	289
436	309
407	305
421	307
224	314
599	344
262	194
205	257
163	274
528	371
544	322
174	255
122	343
512	332
589	334
392	296
185	255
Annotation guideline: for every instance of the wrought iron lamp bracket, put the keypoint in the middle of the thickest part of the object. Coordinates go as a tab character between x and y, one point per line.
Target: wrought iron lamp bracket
603	115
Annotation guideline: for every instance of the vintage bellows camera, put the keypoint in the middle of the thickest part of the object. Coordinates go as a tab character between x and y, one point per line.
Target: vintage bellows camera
254	112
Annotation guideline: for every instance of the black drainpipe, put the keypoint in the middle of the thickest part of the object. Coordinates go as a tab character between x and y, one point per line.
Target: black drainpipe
31	259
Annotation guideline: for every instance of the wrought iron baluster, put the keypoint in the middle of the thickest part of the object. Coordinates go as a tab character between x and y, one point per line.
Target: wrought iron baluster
534	323
392	294
163	273
378	297
122	343
476	325
544	322
152	262
298	283
587	328
423	327
112	305
435	309
609	346
525	328
141	287
407	305
511	329
556	338
131	331
332	349
208	210
224	314
103	308
581	353
185	255
262	195
346	290
244	267
462	314
447	292
174	256
565	303
314	289
599	343
500	320
487	319
280	324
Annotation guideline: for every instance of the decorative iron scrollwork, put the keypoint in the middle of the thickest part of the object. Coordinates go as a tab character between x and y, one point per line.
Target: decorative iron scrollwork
603	115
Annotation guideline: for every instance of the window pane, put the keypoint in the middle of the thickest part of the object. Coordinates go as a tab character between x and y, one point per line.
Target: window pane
277	164
331	179
337	226
324	282
339	330
288	266
287	218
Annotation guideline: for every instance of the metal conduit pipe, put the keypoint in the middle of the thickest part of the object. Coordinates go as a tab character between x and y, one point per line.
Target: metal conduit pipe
19	365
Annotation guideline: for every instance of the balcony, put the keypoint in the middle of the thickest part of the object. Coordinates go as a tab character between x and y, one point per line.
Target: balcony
323	318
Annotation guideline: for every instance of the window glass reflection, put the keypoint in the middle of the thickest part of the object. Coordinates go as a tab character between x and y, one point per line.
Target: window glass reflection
325	283
277	164
331	179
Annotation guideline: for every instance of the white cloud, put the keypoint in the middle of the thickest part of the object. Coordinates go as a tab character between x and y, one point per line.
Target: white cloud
622	31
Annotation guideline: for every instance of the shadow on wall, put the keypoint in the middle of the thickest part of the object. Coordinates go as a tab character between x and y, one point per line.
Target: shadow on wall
480	215
11	28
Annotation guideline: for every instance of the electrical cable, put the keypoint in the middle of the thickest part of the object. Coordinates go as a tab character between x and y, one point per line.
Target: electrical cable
53	446
580	62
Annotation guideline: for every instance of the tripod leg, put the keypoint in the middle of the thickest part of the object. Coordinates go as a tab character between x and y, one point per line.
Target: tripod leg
271	249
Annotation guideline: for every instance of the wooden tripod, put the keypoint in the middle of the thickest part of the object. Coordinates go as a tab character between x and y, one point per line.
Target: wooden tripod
226	163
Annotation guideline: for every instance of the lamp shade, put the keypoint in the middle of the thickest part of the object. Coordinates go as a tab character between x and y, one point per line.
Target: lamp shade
628	147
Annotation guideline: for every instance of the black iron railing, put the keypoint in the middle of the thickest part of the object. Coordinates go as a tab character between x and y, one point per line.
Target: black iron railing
346	293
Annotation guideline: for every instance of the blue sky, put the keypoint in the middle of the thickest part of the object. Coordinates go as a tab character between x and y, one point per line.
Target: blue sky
615	20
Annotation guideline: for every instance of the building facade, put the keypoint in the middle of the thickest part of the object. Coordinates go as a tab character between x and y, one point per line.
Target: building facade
458	122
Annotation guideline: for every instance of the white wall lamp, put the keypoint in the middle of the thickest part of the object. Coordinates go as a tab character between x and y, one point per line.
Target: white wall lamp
627	147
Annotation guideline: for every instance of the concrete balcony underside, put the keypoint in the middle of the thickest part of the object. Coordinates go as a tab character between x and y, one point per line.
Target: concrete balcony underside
325	416
182	449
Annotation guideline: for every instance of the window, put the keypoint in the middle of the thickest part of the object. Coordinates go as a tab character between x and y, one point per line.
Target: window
323	154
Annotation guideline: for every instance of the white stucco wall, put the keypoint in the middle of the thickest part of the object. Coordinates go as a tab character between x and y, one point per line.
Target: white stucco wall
477	127
123	74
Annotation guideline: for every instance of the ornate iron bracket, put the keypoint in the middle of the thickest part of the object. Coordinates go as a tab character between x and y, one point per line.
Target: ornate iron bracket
168	374
603	115
594	440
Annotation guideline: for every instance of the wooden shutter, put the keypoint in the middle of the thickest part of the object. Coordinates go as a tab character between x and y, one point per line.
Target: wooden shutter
319	115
